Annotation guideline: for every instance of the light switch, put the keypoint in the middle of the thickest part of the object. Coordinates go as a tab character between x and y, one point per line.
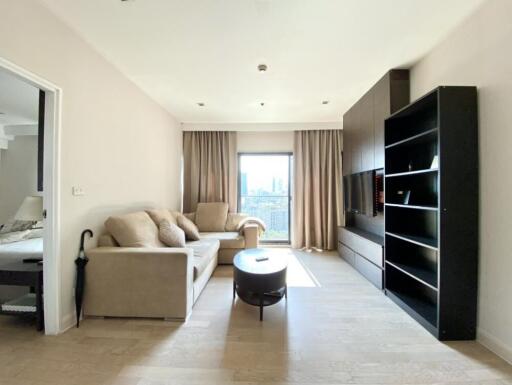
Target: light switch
77	191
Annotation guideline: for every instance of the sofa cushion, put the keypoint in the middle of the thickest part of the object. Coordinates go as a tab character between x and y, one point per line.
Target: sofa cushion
204	251
134	230
171	235
190	229
107	240
158	215
211	216
233	220
228	240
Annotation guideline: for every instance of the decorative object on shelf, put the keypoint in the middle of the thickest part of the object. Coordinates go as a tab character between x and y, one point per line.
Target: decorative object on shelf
435	162
407	195
31	210
80	263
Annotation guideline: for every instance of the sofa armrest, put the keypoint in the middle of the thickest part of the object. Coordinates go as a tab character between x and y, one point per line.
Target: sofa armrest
139	282
251	235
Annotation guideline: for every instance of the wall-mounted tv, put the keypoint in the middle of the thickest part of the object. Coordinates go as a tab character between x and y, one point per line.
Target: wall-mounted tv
364	193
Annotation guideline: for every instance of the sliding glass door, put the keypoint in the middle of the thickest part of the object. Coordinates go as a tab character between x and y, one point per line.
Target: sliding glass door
264	192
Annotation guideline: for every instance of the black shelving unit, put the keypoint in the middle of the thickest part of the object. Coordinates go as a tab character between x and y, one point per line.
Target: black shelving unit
431	211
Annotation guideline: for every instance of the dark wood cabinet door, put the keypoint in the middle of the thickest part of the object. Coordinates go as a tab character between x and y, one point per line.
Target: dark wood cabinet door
347	142
381	110
366	132
356	138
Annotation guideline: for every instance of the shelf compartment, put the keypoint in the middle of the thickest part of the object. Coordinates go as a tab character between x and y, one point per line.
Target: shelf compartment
419	300
422	137
412	120
406	173
419	262
422	186
415	207
420	241
419	226
412	155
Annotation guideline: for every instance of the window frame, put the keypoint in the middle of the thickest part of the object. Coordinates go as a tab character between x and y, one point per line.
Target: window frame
239	193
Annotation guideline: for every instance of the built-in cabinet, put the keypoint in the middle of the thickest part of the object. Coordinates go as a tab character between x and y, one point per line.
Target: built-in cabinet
363	124
364	251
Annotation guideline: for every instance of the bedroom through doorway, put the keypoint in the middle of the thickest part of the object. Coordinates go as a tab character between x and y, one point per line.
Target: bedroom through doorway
28	269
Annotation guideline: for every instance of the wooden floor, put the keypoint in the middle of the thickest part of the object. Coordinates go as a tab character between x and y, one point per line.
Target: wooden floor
344	331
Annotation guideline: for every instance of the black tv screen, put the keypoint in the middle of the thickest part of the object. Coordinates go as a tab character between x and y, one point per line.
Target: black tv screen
359	191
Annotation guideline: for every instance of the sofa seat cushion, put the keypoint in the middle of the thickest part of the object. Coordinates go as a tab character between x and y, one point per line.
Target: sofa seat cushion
204	251
228	239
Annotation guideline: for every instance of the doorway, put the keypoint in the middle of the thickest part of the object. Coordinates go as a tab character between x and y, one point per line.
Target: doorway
264	191
47	181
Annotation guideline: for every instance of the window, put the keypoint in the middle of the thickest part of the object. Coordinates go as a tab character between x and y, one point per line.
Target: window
264	192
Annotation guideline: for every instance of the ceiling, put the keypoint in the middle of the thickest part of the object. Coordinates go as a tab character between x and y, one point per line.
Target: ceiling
182	52
19	101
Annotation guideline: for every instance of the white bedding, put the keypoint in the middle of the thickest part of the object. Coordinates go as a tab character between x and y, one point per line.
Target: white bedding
17	251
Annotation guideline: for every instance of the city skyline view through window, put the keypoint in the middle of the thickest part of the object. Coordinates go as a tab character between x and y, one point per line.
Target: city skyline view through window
265	192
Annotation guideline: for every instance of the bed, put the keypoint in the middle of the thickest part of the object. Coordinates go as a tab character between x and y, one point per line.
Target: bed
17	251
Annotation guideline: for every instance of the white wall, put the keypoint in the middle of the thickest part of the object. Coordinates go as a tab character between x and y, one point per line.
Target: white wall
265	141
478	53
18	174
122	148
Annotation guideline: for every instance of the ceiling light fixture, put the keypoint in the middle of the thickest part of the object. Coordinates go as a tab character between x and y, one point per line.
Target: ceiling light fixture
262	68
325	102
262	104
200	104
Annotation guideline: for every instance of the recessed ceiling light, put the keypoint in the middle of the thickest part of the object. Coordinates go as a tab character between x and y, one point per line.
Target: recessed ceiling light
325	102
262	68
200	104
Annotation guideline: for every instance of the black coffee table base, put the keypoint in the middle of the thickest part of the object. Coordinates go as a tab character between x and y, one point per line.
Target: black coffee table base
260	299
259	277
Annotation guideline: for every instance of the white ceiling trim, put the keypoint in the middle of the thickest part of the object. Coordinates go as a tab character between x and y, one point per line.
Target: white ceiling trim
289	126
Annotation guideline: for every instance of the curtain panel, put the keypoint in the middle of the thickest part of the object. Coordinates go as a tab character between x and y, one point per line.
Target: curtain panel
209	168
317	204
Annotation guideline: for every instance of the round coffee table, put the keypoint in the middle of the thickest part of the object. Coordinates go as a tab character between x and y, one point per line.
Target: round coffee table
260	283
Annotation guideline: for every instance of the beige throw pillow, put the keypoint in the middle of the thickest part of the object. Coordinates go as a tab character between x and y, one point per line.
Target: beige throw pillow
159	215
171	234
211	216
190	229
134	230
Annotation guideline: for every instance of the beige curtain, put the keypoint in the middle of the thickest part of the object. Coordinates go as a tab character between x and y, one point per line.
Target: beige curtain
209	168
317	208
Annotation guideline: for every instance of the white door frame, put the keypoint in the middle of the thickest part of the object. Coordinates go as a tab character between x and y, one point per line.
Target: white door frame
51	193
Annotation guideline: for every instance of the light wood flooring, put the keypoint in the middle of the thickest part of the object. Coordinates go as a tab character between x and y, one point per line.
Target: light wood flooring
343	332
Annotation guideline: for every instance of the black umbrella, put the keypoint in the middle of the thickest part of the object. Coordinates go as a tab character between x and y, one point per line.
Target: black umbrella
80	262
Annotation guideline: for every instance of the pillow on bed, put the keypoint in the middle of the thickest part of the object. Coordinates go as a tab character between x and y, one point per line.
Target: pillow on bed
15	225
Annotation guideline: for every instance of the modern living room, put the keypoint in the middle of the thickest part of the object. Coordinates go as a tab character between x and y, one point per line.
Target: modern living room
259	192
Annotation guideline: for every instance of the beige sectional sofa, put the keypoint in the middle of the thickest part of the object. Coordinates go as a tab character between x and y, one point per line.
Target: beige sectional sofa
150	280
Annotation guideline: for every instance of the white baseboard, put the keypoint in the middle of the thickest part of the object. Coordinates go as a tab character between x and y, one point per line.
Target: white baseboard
495	345
67	322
